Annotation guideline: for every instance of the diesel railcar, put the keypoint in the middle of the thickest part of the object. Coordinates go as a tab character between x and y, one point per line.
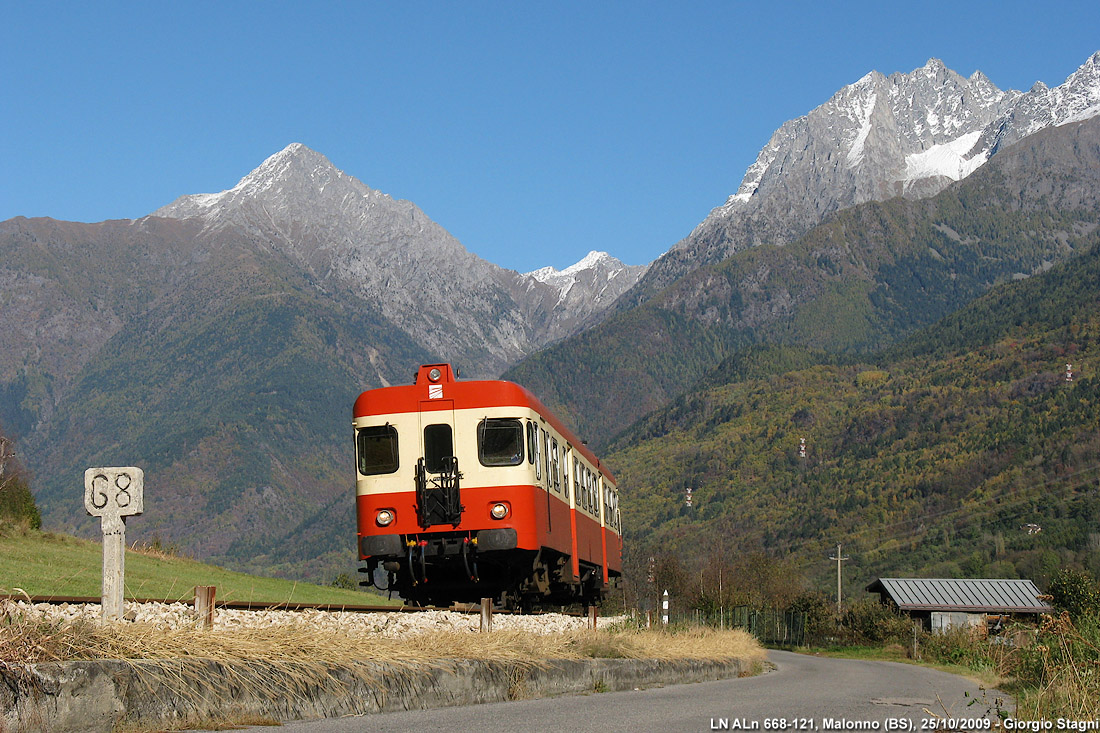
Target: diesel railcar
473	489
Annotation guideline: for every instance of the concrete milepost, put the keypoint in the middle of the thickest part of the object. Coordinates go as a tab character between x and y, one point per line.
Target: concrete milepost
112	494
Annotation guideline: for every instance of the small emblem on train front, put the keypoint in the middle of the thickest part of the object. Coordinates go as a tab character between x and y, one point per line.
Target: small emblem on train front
435	391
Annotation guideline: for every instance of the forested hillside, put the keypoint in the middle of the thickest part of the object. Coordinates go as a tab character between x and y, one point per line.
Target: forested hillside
943	456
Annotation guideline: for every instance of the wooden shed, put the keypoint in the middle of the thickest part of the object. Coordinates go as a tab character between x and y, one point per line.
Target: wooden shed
942	604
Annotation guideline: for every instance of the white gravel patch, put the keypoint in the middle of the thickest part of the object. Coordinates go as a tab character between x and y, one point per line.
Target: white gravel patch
181	615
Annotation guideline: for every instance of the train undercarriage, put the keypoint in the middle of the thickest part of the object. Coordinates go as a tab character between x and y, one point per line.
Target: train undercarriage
439	569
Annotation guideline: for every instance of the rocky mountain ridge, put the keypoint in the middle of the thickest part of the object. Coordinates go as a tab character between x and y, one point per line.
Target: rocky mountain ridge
352	237
882	136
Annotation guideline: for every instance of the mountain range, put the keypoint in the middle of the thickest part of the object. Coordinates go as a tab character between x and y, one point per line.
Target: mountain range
883	136
870	264
219	341
351	238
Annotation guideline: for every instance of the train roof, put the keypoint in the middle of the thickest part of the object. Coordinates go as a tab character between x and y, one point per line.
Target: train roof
437	387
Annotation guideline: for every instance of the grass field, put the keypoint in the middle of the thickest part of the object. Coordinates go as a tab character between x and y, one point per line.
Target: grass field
46	564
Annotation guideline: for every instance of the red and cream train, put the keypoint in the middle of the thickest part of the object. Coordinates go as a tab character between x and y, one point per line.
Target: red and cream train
473	489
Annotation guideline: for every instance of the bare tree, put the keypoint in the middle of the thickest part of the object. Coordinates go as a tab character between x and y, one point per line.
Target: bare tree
7	453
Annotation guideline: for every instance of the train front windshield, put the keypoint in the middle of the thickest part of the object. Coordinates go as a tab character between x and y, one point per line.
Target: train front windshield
377	449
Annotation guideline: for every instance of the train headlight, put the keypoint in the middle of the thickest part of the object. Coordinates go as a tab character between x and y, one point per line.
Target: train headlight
434	375
499	510
384	518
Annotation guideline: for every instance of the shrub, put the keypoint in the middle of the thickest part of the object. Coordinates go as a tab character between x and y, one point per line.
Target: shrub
870	621
817	609
17	503
965	648
1074	592
343	580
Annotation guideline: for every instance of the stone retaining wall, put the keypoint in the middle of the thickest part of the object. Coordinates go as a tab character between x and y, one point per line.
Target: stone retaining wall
97	696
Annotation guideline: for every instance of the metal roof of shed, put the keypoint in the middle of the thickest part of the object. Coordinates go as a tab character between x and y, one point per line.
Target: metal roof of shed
938	594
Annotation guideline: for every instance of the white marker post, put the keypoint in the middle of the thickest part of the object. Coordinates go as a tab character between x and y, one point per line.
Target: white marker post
112	494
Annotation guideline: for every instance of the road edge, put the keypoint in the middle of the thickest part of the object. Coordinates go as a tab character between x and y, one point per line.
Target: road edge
106	694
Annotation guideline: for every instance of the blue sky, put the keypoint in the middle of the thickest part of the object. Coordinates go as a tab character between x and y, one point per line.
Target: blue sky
533	132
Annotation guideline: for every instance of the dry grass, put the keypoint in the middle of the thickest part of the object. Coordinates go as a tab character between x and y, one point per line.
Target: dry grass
298	661
1061	671
27	640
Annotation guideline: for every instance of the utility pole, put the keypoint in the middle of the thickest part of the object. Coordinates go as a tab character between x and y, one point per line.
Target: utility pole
839	559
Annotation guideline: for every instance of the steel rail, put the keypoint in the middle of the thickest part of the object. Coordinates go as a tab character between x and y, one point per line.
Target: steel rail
270	605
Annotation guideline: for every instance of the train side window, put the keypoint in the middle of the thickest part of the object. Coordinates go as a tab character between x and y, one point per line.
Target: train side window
557	465
531	432
537	449
545	445
438	444
500	442
576	480
587	489
377	448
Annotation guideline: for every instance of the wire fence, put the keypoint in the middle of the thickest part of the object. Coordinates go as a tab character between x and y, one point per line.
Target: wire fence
769	625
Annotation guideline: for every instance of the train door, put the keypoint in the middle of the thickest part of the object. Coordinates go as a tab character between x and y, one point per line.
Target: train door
544	454
602	500
573	479
437	470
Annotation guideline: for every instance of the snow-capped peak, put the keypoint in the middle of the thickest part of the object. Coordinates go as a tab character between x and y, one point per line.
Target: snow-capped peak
603	276
590	261
1076	99
291	166
933	66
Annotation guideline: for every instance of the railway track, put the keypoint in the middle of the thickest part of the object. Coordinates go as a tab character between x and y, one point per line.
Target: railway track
272	605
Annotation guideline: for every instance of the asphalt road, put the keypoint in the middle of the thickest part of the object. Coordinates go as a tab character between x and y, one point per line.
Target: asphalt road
803	693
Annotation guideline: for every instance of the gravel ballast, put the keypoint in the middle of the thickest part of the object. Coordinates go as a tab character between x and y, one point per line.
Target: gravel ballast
387	625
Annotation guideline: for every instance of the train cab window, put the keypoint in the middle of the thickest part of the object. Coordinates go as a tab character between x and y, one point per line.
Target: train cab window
500	442
377	448
438	444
